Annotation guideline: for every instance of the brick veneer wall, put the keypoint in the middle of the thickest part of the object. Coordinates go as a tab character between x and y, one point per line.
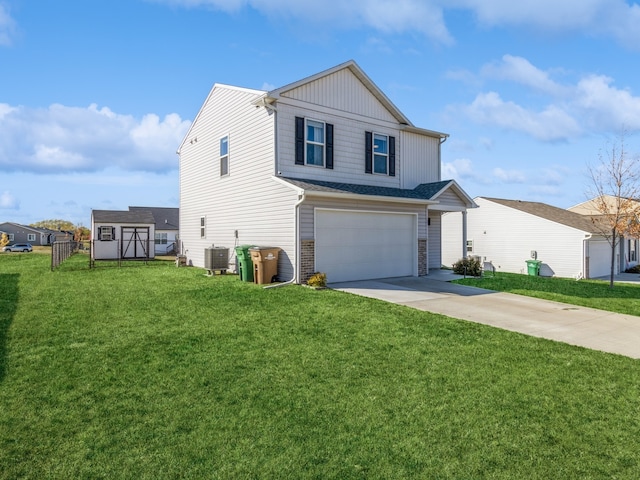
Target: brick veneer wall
307	259
422	256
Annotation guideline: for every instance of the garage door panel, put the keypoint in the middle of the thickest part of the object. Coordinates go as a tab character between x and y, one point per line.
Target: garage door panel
360	245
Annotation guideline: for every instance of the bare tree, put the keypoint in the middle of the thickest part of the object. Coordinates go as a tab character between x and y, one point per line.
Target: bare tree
615	194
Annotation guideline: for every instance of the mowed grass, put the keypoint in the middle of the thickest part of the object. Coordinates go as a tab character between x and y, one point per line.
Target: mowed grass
622	298
152	371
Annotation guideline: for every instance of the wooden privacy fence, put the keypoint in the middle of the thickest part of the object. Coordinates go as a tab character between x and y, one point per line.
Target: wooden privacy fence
60	251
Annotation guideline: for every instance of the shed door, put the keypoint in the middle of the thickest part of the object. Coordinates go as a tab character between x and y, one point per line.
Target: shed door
353	245
135	242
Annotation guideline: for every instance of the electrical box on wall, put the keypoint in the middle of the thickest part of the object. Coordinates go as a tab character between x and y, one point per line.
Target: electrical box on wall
534	254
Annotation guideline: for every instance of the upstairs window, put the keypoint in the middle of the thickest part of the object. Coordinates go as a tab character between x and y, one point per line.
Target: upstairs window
314	143
380	154
224	156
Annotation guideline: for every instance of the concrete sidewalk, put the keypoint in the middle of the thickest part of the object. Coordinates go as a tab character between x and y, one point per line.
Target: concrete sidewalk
581	326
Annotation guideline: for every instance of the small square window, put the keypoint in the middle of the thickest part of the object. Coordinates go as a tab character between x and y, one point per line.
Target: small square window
31	237
105	234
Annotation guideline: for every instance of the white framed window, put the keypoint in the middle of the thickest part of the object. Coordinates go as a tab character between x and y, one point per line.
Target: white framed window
203	227
10	236
314	142
160	238
380	153
224	156
31	237
469	246
633	250
105	233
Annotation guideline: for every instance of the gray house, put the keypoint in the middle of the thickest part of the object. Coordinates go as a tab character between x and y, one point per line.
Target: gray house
18	233
326	168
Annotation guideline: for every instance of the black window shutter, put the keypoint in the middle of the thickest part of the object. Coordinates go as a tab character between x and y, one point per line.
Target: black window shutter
392	156
368	152
329	139
113	233
299	141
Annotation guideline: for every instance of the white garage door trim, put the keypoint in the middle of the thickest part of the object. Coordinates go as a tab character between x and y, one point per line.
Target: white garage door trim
365	244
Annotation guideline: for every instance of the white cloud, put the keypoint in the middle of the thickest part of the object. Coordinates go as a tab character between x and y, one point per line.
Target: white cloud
612	18
7	27
548	124
62	139
509	176
607	107
462	169
388	16
520	70
8	201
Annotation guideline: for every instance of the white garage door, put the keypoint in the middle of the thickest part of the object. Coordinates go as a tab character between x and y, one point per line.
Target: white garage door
363	245
600	259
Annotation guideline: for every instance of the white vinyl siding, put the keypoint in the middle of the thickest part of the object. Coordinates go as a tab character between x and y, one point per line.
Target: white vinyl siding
434	241
342	91
348	147
506	237
421	160
249	201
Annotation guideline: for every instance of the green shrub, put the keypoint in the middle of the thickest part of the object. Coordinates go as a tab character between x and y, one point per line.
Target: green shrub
468	266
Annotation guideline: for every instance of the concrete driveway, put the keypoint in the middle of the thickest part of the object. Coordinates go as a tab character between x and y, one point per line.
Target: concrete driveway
581	326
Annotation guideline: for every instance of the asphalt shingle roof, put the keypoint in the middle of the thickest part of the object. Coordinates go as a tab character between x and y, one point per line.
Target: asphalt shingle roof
549	212
425	191
123	216
166	218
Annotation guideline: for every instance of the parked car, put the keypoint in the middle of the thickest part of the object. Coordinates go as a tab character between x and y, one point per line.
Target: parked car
18	247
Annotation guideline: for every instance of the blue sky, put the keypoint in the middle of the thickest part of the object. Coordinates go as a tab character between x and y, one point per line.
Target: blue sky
95	96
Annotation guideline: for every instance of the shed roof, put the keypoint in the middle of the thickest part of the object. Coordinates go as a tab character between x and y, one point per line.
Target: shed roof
549	212
123	216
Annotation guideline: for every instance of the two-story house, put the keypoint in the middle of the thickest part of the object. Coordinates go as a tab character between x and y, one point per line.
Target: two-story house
326	168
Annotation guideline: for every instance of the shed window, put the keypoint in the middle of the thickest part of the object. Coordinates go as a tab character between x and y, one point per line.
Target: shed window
106	233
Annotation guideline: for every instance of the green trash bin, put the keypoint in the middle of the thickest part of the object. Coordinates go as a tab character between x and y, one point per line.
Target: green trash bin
245	264
533	267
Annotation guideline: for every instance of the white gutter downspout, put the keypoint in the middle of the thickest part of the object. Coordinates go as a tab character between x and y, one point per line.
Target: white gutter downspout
584	254
296	269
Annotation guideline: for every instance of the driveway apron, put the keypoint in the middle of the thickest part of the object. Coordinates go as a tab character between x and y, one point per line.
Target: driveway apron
580	326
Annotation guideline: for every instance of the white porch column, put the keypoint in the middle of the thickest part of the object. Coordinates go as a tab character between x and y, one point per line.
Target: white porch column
464	234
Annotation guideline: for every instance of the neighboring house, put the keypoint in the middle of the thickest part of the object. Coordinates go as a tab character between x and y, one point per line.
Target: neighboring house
507	233
122	235
25	234
326	168
628	249
167	221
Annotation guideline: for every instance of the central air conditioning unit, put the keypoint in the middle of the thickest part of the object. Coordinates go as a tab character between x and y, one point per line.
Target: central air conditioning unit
216	258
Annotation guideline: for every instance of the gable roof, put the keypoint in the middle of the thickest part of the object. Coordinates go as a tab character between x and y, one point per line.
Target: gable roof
27	227
352	66
548	212
123	216
425	193
166	218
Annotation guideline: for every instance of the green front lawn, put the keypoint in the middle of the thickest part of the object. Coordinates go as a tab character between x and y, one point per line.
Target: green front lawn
623	298
152	371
